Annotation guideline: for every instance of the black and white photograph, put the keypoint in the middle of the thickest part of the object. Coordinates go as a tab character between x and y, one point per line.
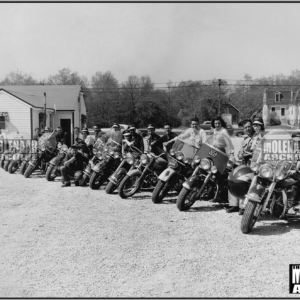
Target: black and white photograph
149	150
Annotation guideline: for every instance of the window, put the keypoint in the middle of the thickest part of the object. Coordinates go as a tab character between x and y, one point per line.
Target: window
273	108
277	97
282	112
2	122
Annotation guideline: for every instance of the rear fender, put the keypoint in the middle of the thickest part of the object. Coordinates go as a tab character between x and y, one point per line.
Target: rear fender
167	174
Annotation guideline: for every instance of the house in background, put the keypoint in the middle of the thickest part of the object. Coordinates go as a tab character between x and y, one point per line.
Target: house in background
231	114
22	108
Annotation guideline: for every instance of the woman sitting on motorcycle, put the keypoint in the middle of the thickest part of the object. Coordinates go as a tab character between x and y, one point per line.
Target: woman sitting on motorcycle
195	133
259	128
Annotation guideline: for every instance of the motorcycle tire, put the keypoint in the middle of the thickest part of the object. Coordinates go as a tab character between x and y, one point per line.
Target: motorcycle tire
84	180
13	167
51	172
6	164
2	163
23	167
29	171
96	181
251	214
122	187
181	203
160	191
110	187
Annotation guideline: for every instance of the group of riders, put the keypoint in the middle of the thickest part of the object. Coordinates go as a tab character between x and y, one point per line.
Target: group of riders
196	164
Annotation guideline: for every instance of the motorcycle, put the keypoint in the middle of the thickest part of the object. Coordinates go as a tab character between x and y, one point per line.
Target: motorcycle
179	169
273	189
111	158
46	150
53	169
145	176
130	161
209	178
98	149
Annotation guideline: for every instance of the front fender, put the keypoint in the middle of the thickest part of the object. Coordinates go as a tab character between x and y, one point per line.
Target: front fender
101	165
193	181
120	173
256	193
167	174
134	172
55	161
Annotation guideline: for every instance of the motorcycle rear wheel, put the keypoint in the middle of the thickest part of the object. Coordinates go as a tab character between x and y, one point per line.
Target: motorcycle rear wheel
127	182
161	190
251	214
186	199
13	167
23	167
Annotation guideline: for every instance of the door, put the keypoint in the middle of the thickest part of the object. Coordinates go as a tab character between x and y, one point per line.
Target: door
65	125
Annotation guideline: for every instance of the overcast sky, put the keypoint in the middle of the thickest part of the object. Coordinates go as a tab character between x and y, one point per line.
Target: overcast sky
165	41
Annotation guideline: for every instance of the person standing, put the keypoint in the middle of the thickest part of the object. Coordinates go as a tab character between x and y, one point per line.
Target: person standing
162	141
60	136
196	134
151	138
37	134
235	204
98	132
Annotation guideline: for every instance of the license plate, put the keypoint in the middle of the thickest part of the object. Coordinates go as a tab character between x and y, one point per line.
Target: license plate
173	163
213	153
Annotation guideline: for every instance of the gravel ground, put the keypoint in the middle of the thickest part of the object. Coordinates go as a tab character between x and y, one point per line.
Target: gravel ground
77	242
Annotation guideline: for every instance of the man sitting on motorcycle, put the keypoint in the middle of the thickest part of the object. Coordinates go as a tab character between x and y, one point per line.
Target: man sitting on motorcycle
133	139
73	165
151	138
166	138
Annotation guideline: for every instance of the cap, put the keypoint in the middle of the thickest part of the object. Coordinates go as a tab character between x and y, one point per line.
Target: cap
132	128
258	121
115	125
84	130
47	128
127	134
150	126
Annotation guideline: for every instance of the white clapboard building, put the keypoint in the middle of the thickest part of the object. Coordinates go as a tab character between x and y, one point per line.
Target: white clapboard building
22	108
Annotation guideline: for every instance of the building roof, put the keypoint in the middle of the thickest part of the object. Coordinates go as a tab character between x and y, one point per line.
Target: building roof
234	107
65	97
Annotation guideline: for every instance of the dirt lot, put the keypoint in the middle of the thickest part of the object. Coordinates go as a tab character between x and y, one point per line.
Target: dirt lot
76	242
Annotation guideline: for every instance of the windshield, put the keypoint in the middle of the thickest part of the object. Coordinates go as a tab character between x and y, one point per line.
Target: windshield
184	147
272	146
99	144
47	140
219	142
112	145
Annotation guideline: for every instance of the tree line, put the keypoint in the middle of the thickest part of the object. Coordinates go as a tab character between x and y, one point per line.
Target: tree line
139	101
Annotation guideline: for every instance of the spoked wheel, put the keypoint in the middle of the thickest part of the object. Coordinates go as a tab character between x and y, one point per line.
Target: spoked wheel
29	171
6	165
251	214
186	199
161	191
129	186
52	173
110	187
2	163
13	167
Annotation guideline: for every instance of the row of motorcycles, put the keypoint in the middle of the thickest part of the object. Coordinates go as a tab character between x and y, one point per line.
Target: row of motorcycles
205	173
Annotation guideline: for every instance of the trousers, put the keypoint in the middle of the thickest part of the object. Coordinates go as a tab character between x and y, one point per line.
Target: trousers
67	172
233	201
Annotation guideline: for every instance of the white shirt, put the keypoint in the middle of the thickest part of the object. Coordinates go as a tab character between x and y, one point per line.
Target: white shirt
198	137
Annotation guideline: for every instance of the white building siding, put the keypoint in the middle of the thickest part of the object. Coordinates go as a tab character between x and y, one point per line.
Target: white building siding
18	113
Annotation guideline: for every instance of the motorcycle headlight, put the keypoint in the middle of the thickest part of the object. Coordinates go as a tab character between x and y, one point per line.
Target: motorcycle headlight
94	151
111	152
136	163
144	159
254	166
99	154
179	155
197	159
124	156
130	160
186	161
281	170
214	169
117	155
205	164
105	149
172	152
266	171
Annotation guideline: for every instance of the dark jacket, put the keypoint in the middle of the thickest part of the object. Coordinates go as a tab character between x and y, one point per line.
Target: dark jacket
163	139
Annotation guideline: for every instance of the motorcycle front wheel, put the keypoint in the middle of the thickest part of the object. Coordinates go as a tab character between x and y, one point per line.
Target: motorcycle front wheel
84	180
129	186
23	167
110	187
186	199
96	181
29	171
161	190
52	172
2	163
251	214
13	167
6	165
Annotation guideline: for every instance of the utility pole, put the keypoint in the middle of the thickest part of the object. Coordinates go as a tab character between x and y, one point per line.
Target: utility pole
45	115
219	107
